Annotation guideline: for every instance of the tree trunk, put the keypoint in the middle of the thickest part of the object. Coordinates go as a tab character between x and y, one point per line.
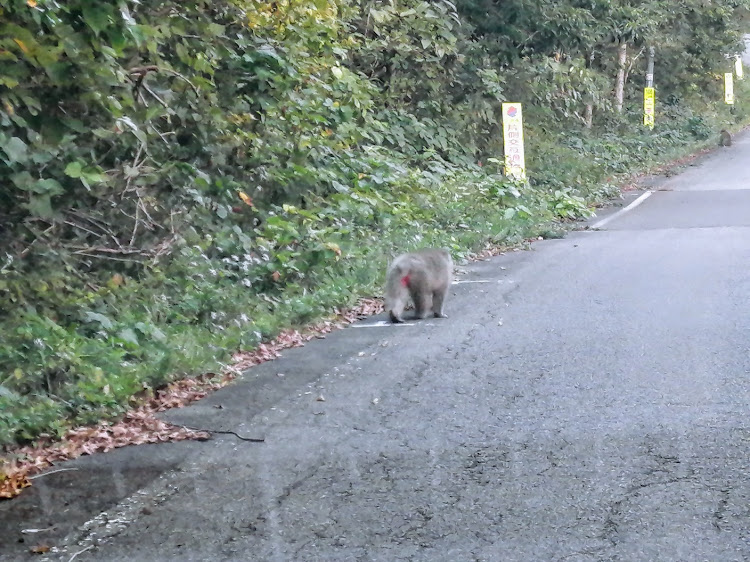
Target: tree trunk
588	115
622	55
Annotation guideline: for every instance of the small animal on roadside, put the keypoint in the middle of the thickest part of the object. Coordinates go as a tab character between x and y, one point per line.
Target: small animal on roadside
425	276
725	139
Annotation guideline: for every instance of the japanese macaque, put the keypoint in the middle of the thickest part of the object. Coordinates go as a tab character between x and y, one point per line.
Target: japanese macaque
725	139
425	276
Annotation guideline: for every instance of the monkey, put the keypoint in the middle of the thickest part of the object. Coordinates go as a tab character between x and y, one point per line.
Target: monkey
725	139
425	276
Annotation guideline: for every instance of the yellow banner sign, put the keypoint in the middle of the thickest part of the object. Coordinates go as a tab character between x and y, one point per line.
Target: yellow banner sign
649	107
728	88
515	164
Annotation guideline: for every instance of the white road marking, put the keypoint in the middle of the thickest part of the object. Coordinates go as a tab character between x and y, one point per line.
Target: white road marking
622	211
386	323
382	323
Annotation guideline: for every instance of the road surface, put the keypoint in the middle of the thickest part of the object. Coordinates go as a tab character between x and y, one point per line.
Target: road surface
586	400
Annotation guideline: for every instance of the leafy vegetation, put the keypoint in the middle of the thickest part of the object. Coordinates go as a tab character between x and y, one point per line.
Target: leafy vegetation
182	180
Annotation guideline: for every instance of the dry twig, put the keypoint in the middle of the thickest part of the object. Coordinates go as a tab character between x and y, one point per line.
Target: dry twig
50	472
89	547
226	432
140	73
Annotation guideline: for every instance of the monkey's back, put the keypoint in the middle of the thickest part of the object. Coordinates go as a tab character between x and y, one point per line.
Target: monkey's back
432	266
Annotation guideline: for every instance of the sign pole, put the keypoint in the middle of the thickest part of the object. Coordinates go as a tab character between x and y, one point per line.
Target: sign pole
649	94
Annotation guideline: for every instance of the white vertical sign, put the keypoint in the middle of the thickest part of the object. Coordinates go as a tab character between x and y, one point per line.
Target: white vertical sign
515	163
728	88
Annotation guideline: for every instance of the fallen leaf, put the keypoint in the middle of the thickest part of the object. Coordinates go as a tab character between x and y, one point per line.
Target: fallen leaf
23	46
245	198
12	484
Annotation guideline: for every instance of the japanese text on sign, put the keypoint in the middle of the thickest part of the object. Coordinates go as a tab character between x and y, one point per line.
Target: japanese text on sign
649	104
515	165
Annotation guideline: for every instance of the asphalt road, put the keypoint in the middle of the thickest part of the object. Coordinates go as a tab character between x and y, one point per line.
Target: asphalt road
586	400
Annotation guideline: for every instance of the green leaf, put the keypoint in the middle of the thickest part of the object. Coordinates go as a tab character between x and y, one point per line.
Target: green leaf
8	393
104	321
16	150
74	169
59	71
378	16
7	56
129	336
8	81
40	206
97	16
158	334
215	29
49	186
150	330
92	175
23	181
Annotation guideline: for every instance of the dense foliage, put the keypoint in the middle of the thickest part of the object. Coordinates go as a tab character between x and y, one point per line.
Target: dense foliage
181	179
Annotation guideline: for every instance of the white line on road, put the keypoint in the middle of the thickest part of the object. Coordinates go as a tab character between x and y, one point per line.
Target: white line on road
474	281
622	211
380	324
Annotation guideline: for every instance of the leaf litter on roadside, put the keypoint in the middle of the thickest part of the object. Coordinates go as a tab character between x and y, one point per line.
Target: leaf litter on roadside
140	425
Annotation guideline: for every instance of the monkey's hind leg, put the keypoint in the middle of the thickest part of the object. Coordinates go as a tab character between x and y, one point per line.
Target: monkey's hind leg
395	318
421	300
438	298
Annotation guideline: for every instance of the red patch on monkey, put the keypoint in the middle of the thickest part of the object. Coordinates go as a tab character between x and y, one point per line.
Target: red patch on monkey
405	280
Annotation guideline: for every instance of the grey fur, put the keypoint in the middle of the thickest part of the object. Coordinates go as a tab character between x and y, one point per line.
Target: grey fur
725	139
429	273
